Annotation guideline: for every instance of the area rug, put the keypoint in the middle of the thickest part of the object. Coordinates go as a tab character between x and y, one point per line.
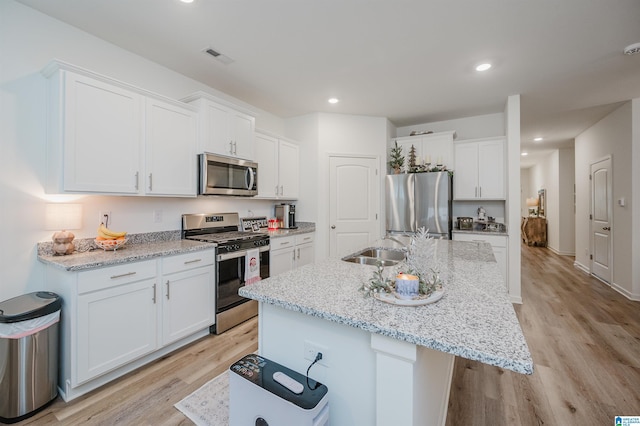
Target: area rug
209	405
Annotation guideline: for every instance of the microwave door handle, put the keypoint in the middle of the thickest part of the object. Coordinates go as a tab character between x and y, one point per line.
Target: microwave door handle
252	178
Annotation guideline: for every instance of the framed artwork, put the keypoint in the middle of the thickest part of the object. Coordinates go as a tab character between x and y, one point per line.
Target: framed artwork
542	203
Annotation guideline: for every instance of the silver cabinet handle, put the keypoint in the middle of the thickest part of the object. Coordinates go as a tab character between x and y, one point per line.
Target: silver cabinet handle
230	147
136	176
192	261
281	189
480	192
150	181
235	148
154	293
476	193
284	243
113	277
168	290
298	254
294	255
277	190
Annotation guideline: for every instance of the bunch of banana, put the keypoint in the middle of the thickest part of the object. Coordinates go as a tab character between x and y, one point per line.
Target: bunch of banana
105	233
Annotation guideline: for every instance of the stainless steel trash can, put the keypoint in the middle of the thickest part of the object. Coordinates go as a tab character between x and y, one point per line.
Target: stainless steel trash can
28	354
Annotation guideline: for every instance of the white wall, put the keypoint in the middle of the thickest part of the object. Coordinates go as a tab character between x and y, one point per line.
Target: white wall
480	126
634	202
335	134
610	136
525	190
28	41
566	204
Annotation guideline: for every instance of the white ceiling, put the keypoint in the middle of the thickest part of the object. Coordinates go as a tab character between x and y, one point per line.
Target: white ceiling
409	60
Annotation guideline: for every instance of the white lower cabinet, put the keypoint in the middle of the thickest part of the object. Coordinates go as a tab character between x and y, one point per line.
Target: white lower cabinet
188	295
498	245
117	318
288	253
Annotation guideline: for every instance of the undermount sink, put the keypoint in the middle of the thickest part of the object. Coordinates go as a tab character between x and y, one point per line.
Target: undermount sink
376	257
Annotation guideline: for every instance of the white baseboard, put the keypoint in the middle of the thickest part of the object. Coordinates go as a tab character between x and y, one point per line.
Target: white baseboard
581	267
626	293
561	253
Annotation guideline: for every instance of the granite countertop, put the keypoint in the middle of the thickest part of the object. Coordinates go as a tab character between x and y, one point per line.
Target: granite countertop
98	258
138	247
474	319
479	232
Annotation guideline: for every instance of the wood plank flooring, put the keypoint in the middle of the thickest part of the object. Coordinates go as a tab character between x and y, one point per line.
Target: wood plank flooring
585	341
584	338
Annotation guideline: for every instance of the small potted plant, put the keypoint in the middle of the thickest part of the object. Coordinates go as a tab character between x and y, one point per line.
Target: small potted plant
396	161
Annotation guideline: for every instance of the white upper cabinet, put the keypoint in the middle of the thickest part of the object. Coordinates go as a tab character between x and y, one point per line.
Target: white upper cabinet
170	149
278	167
225	129
479	172
107	137
435	148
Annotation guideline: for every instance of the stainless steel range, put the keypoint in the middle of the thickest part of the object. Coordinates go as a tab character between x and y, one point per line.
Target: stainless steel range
232	248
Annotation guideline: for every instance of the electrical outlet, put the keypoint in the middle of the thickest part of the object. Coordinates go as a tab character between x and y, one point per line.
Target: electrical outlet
104	217
311	349
157	216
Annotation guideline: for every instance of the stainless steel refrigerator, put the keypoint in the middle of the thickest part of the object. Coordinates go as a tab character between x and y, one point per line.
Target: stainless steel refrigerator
416	200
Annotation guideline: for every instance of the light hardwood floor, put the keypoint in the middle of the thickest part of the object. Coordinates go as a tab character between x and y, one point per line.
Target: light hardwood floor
584	338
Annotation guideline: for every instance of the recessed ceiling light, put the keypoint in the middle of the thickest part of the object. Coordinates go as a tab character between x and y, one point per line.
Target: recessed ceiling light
334	100
538	139
524	154
632	49
186	1
483	67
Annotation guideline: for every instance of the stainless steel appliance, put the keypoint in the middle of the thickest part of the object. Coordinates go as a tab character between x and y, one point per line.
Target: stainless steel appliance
220	175
232	246
287	214
417	200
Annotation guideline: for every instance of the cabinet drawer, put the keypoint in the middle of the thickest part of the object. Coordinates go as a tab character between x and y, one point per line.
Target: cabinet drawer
305	238
282	242
494	240
98	279
186	261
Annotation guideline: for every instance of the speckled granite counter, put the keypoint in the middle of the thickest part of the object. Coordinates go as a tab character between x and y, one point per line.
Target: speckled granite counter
474	320
139	247
303	228
479	232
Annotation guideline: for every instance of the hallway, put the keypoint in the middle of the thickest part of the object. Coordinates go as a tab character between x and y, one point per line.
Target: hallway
584	338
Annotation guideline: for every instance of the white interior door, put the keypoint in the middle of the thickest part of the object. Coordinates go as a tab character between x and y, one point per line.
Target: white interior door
354	200
601	206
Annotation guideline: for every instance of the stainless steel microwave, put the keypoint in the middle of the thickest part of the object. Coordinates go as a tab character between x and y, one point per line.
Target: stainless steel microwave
220	175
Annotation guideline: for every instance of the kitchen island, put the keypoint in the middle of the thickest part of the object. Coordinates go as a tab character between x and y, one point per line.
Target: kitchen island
386	364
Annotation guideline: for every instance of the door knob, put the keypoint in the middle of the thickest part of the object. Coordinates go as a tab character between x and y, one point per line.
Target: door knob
606	228
333	227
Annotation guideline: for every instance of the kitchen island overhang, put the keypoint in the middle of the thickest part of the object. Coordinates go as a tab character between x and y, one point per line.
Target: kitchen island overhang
322	303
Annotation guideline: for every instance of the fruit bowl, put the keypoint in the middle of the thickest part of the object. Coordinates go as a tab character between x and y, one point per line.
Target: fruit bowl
110	244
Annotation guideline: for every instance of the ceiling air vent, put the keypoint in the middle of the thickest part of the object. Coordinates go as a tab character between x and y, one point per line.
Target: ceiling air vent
219	56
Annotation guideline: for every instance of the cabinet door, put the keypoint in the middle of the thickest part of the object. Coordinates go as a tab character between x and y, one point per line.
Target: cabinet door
170	149
102	137
491	170
281	261
115	326
188	303
242	126
266	149
465	177
305	254
289	170
216	131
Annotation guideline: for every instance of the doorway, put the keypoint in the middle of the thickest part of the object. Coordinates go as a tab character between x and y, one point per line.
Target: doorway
354	203
601	219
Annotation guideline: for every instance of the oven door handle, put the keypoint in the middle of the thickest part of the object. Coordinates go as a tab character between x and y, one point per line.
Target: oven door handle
236	254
